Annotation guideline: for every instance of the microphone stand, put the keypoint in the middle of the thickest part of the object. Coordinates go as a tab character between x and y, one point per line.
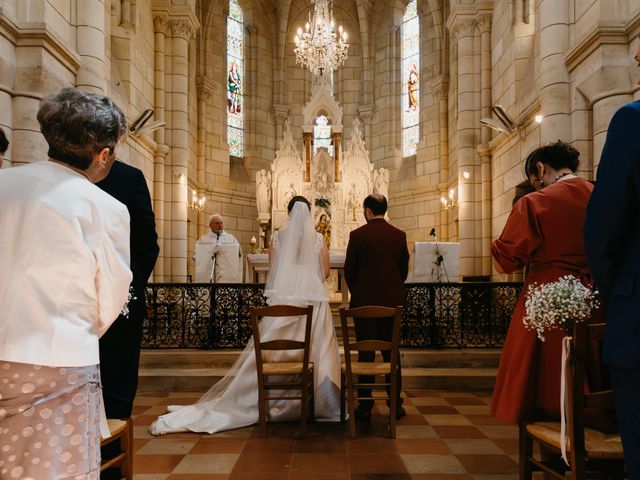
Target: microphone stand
214	257
439	262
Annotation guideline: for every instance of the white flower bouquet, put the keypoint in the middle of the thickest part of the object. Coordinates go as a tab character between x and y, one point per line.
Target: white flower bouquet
125	309
558	304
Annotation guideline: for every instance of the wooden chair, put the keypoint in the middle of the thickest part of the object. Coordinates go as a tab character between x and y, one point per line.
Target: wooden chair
352	369
298	376
588	449
121	430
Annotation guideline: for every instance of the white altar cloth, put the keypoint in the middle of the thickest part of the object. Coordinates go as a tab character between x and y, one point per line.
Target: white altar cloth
257	267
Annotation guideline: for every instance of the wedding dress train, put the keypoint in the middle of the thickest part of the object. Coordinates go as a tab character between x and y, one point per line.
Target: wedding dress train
294	280
233	402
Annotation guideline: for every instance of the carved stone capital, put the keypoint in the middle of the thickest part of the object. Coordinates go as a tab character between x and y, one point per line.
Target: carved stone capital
182	29
463	29
366	113
440	87
484	23
204	88
160	23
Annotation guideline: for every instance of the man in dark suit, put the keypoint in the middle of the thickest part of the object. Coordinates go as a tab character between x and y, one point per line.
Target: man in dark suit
375	268
612	246
120	346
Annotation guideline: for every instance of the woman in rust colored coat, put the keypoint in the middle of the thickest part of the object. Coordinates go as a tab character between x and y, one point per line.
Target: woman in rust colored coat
543	232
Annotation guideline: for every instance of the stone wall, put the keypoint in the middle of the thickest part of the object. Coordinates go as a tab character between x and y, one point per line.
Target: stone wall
570	62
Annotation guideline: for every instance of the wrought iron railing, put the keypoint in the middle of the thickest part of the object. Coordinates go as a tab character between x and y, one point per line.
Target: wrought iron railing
437	315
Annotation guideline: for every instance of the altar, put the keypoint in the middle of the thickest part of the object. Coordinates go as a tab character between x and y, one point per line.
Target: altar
257	267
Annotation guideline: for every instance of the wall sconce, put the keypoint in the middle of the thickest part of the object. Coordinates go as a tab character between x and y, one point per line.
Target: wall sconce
197	203
538	118
140	127
466	175
178	176
504	124
450	202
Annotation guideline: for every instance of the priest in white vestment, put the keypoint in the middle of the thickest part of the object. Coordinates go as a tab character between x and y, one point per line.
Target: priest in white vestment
221	247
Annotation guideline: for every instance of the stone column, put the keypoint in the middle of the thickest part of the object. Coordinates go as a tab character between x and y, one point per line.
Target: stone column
467	93
485	166
440	90
90	45
337	146
366	114
160	24
553	78
181	31
602	112
281	112
307	151
484	25
205	91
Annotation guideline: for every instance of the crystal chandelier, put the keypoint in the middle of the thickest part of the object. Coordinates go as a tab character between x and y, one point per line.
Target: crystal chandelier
319	47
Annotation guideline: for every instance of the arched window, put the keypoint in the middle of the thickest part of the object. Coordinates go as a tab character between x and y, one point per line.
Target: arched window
410	79
322	135
235	76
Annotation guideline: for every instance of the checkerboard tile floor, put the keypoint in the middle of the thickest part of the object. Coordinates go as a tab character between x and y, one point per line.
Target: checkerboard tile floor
445	436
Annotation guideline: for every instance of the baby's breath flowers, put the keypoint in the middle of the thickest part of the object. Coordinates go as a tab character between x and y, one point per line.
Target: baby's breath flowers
558	304
125	309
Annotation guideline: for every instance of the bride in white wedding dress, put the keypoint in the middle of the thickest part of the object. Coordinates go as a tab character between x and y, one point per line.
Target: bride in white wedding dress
299	263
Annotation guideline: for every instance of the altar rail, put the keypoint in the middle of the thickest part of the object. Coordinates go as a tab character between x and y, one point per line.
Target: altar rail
437	315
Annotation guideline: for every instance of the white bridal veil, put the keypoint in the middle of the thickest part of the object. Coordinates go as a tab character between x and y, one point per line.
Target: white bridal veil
295	274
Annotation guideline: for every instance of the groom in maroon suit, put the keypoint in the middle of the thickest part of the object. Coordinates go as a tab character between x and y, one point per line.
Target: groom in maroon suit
375	269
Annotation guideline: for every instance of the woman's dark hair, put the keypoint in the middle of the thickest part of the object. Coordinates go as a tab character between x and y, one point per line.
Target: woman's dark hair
78	125
556	155
377	203
298	198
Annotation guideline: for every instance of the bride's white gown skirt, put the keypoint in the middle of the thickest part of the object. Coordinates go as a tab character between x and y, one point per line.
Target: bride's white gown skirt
233	401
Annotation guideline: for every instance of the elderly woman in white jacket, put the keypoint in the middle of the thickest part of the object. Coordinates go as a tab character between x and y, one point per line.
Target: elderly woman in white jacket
64	277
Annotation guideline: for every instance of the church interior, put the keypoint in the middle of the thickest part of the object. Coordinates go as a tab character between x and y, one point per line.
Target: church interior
433	103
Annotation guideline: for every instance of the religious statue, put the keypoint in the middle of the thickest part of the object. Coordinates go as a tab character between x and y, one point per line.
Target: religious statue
412	87
233	89
263	192
322	178
353	201
381	182
289	194
324	227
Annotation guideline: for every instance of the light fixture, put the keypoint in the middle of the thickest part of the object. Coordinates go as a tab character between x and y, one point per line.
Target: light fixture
538	118
139	126
319	47
197	203
178	176
504	124
466	175
450	202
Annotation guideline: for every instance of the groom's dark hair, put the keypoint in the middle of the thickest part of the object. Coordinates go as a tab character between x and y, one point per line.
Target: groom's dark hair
298	198
377	203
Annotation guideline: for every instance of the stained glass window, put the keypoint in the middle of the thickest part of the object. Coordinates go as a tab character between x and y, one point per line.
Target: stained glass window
322	135
410	79
235	74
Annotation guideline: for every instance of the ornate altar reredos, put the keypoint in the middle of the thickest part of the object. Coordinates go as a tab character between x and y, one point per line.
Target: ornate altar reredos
336	185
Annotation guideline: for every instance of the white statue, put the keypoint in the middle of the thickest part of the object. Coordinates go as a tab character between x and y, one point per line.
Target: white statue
353	201
263	192
322	178
381	182
288	195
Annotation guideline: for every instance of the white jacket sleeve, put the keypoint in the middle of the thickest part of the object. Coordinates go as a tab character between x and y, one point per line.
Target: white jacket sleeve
113	275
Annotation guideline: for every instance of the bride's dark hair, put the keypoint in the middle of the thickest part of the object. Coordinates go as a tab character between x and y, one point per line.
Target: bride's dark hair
298	198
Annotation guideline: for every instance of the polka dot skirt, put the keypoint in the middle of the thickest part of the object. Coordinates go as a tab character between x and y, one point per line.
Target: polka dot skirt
49	422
